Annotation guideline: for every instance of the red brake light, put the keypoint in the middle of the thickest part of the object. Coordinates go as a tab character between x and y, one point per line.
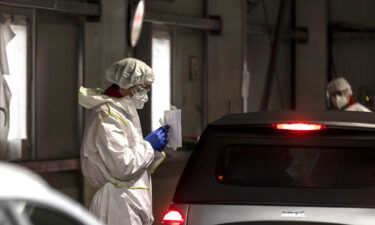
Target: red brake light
173	217
299	126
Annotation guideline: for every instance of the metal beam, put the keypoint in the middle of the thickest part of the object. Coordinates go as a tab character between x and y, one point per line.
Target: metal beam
52	166
63	6
183	21
346	35
285	33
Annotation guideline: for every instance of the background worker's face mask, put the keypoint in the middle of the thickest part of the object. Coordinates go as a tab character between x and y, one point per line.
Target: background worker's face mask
339	101
139	97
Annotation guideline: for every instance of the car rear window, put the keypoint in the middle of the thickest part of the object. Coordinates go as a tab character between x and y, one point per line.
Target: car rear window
283	166
252	165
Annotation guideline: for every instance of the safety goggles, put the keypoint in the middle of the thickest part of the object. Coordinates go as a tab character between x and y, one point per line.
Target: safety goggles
338	93
140	89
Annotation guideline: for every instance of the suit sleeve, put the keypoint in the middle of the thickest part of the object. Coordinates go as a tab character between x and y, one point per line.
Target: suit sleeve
123	152
158	160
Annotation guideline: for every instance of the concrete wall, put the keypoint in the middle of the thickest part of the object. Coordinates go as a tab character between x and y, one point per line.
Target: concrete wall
105	42
56	86
311	58
224	60
56	81
188	84
354	58
301	68
259	53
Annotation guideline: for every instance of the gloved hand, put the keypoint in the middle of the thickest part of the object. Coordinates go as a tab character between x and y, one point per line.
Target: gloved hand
158	138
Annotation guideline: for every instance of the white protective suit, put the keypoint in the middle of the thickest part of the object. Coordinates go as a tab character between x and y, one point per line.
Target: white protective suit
6	35
5	96
340	84
115	157
357	107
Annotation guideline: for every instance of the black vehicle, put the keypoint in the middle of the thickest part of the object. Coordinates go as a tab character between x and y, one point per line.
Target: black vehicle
280	168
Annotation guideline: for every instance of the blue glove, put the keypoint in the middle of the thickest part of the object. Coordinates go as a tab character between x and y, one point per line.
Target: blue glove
158	138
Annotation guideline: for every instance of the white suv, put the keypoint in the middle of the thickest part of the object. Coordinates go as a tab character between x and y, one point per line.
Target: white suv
280	168
25	199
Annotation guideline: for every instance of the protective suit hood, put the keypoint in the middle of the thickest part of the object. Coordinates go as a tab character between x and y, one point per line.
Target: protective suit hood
129	72
339	84
91	98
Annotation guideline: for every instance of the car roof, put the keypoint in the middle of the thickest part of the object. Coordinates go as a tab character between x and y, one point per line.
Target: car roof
19	183
334	117
15	179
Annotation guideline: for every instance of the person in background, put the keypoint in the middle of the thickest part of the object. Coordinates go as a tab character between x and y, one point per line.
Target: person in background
340	95
114	155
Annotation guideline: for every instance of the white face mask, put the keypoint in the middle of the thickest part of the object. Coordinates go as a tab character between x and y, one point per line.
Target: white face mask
139	100
139	97
339	102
